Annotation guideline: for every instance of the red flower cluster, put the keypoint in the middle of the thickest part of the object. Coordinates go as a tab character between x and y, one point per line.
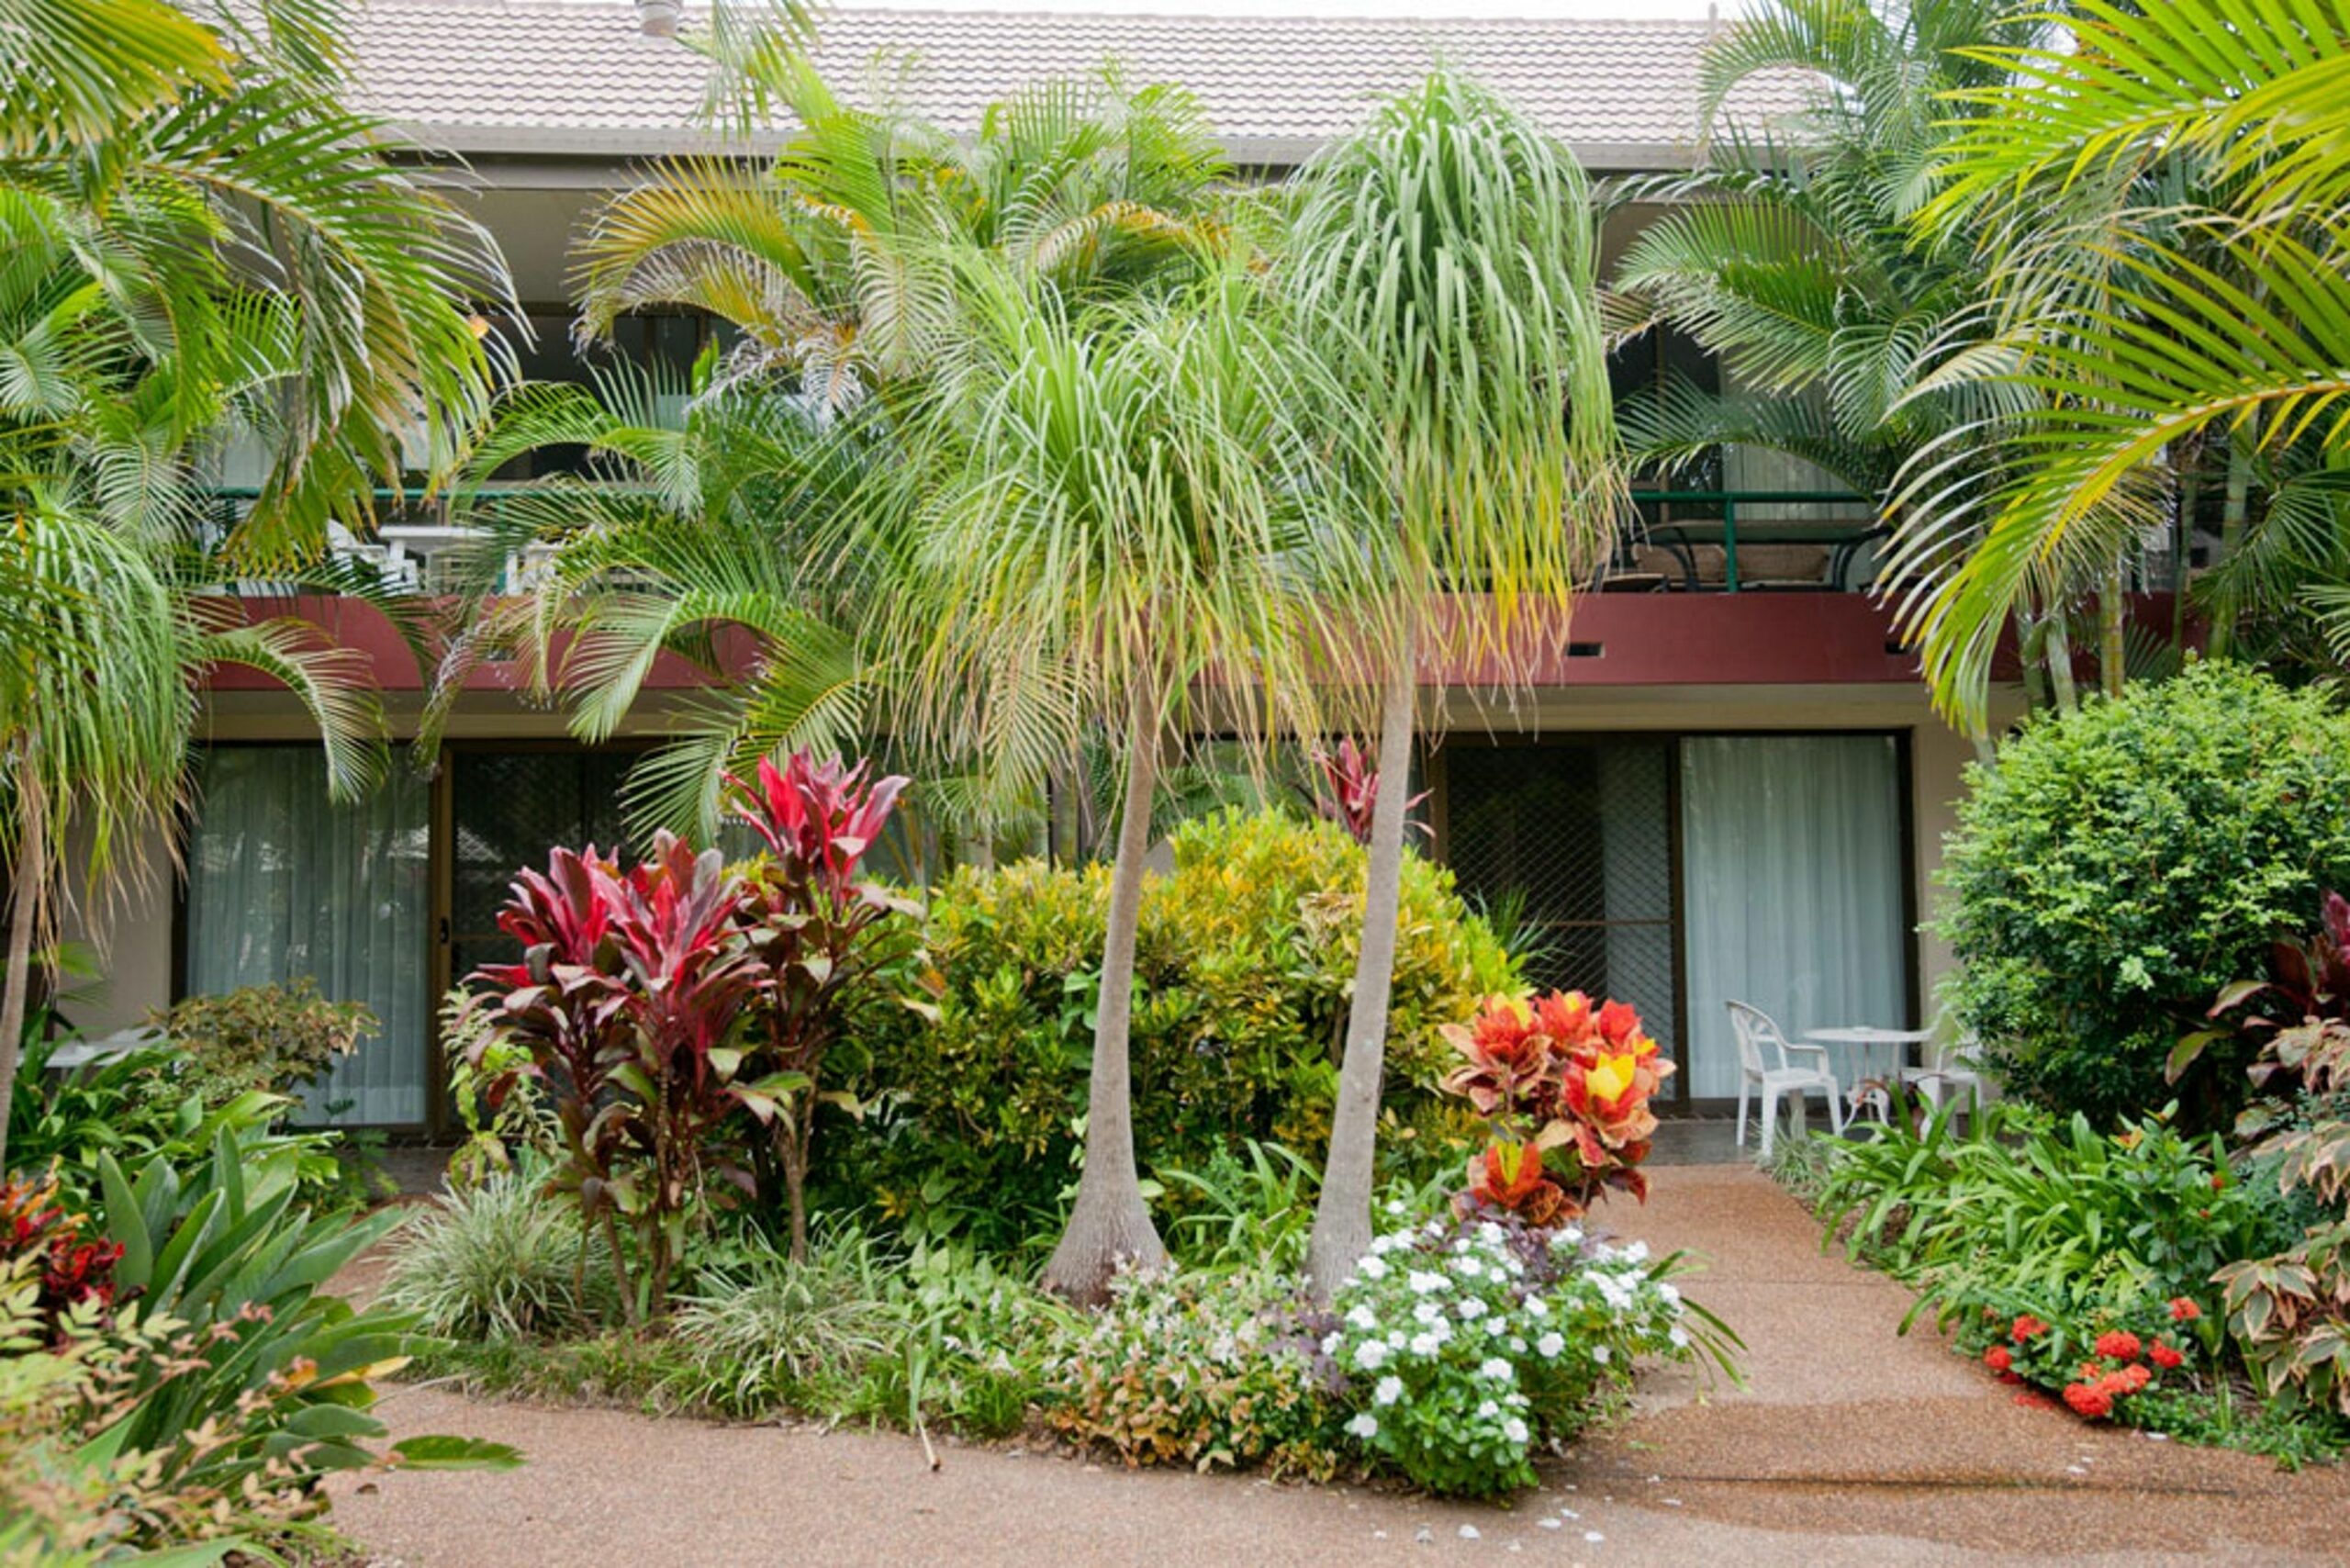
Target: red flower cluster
2183	1310
2164	1356
1578	1078
2118	1344
1999	1359
2027	1327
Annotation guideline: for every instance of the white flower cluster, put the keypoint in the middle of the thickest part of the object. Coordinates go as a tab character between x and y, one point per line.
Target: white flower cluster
1458	1355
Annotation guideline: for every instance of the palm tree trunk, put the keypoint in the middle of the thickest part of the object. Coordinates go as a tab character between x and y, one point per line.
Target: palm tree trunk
2032	651
2183	545
1342	1217
2110	606
24	914
2235	512
1111	1224
2060	661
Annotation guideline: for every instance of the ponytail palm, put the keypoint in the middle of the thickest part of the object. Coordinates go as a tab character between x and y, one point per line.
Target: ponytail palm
1116	515
1443	268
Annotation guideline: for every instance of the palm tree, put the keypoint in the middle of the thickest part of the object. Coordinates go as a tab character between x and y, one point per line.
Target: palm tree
722	535
1444	268
1118	512
2208	307
1795	256
204	248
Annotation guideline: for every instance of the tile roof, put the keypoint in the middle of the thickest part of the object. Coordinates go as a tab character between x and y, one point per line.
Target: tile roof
576	77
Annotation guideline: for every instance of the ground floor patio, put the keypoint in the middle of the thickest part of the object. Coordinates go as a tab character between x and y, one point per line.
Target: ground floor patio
1850	1445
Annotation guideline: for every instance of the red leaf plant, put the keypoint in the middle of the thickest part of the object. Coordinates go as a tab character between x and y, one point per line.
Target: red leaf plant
1350	790
1567	1086
39	1237
817	935
628	998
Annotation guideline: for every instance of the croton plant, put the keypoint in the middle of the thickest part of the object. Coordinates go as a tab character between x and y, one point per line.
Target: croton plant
1567	1088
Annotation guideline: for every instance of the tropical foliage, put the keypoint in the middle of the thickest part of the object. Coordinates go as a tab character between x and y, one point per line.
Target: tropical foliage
2118	866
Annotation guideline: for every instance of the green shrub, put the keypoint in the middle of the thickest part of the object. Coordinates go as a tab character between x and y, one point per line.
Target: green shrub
1200	1369
499	1258
2116	869
277	1039
1244	958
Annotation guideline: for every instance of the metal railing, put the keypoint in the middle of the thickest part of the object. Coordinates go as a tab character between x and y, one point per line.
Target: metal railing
411	530
1718	522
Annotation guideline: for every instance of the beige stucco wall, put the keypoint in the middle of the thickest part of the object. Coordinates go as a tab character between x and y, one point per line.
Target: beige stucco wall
136	935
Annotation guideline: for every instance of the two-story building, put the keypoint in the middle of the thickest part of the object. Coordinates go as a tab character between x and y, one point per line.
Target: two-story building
1729	786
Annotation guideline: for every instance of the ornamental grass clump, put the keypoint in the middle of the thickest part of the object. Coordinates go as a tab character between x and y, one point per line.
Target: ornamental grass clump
1466	1342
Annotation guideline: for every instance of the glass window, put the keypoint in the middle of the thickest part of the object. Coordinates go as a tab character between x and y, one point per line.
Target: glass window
283	882
1791	868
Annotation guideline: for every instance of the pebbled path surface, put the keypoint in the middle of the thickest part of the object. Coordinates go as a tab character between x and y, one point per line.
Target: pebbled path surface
1850	1445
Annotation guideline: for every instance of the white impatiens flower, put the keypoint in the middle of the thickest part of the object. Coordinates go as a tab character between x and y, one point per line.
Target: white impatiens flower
1394	1205
1536	1307
1371	1356
1425	1345
1638	1252
1330	1343
1394	1338
1602	1354
1516	1344
1467	1268
1488	1410
1390	1390
1365	1425
1471	1308
1425	1284
1514	1430
1680	1338
1670	1292
1495	1367
1488	1231
1372	1268
1550	1344
1428	1312
1361	1317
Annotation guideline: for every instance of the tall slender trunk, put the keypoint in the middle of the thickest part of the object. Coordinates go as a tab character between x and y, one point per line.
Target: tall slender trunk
1111	1222
2060	661
2190	487
2235	512
1342	1218
24	914
2032	651
2110	613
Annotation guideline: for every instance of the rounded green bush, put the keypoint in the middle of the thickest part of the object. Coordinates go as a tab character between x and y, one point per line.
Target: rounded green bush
2116	867
1245	960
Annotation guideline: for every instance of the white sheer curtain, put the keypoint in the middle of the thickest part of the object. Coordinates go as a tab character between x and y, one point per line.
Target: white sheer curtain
282	883
1791	880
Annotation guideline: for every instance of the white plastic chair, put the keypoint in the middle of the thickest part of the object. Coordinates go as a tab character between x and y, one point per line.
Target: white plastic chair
1956	1070
1775	1075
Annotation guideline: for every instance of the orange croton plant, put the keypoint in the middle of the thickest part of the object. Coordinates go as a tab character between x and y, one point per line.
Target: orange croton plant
1567	1087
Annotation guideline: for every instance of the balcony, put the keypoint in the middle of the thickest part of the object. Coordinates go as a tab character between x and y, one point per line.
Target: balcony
1746	542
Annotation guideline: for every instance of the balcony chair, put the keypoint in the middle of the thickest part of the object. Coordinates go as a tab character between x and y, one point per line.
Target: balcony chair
1956	1070
1773	1075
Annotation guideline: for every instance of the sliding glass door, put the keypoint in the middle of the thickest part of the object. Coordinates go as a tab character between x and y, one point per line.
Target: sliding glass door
1794	876
283	883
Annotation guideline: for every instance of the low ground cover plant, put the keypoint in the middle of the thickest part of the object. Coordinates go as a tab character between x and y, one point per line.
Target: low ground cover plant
2084	1267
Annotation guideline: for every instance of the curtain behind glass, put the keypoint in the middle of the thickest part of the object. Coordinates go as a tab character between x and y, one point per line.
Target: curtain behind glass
1792	887
283	882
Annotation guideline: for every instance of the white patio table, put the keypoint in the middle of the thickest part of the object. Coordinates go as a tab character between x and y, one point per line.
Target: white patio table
1864	1041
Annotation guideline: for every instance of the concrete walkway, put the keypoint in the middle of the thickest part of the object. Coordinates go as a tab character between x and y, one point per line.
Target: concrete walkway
1851	1445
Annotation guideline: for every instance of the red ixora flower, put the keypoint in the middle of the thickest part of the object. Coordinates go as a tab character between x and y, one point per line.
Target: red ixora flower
2183	1310
2164	1356
2119	1344
2027	1327
1998	1359
2087	1401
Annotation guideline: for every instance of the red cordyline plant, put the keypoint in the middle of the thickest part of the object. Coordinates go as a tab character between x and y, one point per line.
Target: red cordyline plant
818	935
1350	790
629	1001
1567	1087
